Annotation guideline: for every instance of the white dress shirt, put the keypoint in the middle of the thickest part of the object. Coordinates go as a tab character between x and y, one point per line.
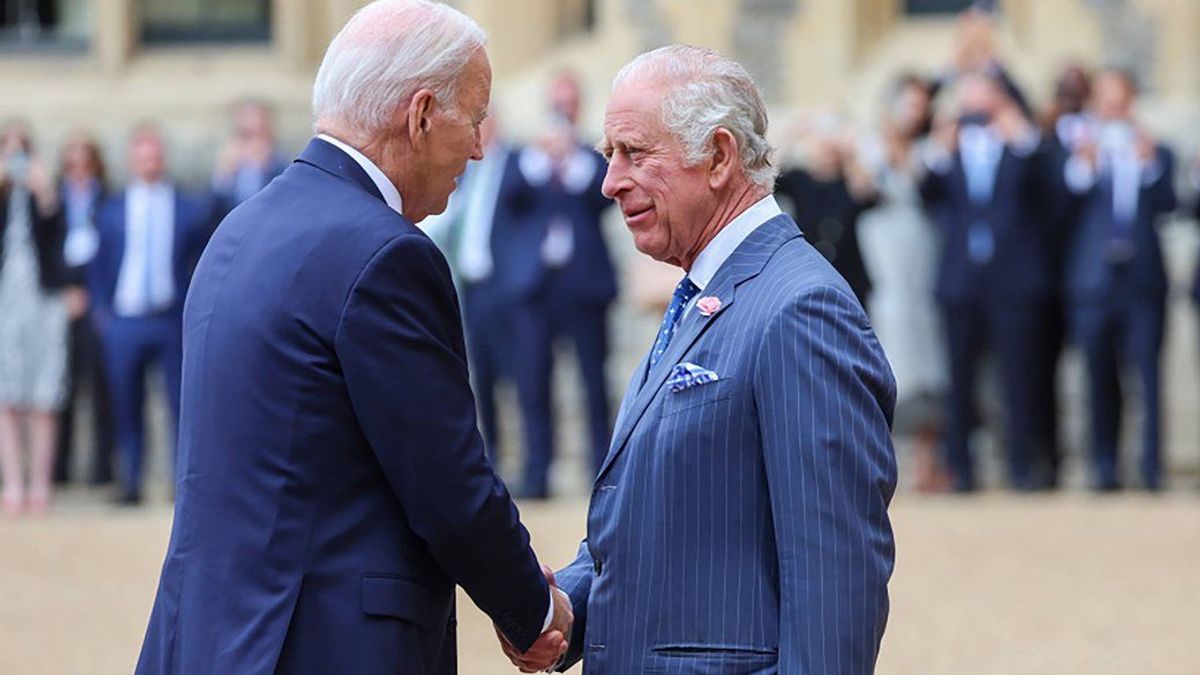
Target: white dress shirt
705	267
146	281
479	212
390	194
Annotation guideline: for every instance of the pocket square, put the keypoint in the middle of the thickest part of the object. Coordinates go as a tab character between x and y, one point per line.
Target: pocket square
688	375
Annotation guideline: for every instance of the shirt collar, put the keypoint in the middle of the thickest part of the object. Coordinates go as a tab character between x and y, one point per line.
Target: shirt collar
390	194
729	238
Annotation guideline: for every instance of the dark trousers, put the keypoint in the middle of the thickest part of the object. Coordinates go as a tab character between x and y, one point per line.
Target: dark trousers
487	319
131	344
85	364
1016	333
536	325
1113	332
1047	451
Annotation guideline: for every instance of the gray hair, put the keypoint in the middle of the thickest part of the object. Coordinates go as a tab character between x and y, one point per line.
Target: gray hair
707	91
388	51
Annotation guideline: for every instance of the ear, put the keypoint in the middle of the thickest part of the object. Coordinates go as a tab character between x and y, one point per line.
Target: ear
420	115
725	158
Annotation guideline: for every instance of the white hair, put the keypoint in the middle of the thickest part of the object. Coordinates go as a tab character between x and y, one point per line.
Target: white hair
388	51
705	91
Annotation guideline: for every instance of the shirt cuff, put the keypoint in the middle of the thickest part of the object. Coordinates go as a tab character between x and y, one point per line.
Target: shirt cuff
549	612
936	158
1027	144
1079	176
1152	171
578	172
535	166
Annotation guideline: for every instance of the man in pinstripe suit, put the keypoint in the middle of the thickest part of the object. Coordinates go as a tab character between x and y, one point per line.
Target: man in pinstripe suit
739	523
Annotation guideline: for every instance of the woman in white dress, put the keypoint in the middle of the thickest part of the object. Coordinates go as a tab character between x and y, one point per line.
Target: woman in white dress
900	248
33	322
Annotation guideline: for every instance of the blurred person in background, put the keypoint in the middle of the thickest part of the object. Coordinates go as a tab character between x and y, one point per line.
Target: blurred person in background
1196	214
561	279
33	322
994	279
249	159
82	189
826	194
900	247
1116	283
1064	125
151	235
489	196
975	51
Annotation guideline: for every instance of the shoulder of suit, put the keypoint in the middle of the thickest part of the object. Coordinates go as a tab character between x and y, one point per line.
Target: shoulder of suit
797	268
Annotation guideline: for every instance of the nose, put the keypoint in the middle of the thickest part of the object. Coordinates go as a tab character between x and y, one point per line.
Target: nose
616	179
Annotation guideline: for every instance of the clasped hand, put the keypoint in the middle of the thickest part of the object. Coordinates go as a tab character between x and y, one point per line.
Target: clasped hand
547	652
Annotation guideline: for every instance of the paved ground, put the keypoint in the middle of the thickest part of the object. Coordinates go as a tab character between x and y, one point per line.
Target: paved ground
995	584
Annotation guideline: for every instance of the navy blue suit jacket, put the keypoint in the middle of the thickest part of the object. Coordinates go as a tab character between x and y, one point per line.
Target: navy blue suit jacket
332	486
740	526
588	276
1021	267
1089	276
191	234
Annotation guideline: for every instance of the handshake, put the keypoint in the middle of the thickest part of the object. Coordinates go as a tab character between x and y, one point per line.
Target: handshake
547	652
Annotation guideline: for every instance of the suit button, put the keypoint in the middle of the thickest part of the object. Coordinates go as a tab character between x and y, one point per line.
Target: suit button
597	566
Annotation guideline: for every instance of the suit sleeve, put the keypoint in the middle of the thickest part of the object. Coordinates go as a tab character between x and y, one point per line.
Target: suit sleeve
576	581
825	398
1160	192
101	268
401	350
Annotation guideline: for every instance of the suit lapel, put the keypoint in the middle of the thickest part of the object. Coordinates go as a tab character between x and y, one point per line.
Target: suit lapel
745	263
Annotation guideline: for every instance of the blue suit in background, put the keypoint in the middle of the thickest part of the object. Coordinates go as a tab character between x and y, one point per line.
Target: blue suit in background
131	341
489	197
552	297
333	487
995	283
740	526
1116	286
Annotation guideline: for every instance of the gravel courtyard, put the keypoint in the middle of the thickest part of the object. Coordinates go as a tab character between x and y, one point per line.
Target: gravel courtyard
992	584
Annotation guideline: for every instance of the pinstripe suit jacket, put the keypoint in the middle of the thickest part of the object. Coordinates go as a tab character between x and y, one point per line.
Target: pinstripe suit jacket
741	526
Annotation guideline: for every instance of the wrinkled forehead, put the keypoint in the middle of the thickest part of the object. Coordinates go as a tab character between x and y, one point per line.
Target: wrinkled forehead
635	106
475	81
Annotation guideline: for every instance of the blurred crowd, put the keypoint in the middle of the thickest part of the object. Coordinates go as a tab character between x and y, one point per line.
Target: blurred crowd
968	224
92	283
971	225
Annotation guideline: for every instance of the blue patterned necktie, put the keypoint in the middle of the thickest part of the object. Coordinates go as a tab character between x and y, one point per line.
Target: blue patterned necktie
684	292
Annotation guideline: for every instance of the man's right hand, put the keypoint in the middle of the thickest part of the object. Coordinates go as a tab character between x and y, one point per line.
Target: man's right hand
547	651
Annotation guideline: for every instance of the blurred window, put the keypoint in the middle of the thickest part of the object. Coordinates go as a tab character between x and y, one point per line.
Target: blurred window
927	7
52	25
191	21
575	17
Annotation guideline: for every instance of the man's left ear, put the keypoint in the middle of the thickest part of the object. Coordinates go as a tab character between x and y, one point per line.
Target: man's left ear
725	157
420	115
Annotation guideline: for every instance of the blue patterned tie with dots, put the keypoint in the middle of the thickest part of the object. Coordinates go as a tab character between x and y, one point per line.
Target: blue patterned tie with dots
684	292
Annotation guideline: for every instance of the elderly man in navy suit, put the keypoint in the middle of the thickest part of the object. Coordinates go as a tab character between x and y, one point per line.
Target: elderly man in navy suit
332	484
739	522
1116	283
150	236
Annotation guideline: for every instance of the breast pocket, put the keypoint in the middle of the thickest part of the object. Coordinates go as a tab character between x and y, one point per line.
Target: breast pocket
675	402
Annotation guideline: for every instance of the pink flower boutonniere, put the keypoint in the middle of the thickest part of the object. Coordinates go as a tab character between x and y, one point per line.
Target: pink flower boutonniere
708	305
